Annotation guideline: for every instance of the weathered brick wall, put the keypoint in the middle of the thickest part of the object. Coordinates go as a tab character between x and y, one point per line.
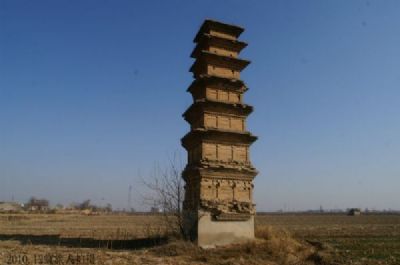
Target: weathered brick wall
223	95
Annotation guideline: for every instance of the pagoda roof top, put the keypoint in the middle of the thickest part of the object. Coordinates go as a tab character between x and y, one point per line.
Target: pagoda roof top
235	63
209	24
206	38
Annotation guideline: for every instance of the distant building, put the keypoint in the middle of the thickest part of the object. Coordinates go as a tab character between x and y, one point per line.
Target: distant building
37	205
59	207
155	210
354	212
10	207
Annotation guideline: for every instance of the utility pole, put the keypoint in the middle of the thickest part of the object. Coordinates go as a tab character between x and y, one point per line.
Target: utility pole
130	198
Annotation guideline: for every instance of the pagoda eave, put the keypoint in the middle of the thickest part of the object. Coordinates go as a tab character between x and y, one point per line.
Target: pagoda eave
219	60
210	24
221	169
216	135
207	39
226	83
201	106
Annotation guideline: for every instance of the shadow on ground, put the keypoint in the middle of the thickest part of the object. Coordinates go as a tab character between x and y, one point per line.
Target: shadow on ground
55	240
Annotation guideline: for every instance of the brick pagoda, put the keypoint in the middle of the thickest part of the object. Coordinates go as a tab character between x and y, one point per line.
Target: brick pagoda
218	204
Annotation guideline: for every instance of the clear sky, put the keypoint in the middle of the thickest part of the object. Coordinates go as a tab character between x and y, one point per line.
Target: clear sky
92	92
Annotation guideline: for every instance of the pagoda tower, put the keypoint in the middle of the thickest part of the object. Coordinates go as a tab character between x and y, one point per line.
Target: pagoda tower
218	205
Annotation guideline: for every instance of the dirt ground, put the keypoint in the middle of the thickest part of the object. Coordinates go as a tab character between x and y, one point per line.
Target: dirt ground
135	239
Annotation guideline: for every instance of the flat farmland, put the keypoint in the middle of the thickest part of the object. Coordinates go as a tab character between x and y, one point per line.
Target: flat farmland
365	239
138	239
82	226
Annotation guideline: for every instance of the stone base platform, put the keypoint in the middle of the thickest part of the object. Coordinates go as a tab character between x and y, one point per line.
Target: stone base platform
212	233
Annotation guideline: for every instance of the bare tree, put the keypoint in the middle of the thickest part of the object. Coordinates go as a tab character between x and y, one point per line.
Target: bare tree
85	205
166	191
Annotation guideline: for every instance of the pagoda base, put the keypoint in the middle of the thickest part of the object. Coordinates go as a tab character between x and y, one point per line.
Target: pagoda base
208	232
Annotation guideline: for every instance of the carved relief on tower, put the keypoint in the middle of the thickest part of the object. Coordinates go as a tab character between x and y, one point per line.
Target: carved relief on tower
221	71
225	122
226	196
222	51
226	190
223	95
240	153
225	152
243	191
208	189
209	151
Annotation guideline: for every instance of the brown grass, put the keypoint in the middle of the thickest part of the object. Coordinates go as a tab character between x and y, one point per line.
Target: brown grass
272	246
282	239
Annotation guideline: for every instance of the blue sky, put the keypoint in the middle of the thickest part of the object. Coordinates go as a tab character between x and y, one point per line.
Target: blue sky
92	92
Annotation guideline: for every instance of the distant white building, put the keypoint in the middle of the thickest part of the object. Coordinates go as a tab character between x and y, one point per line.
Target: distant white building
155	210
9	207
37	205
354	212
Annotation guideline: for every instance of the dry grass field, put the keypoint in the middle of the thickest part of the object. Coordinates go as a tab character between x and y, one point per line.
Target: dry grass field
121	239
365	239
